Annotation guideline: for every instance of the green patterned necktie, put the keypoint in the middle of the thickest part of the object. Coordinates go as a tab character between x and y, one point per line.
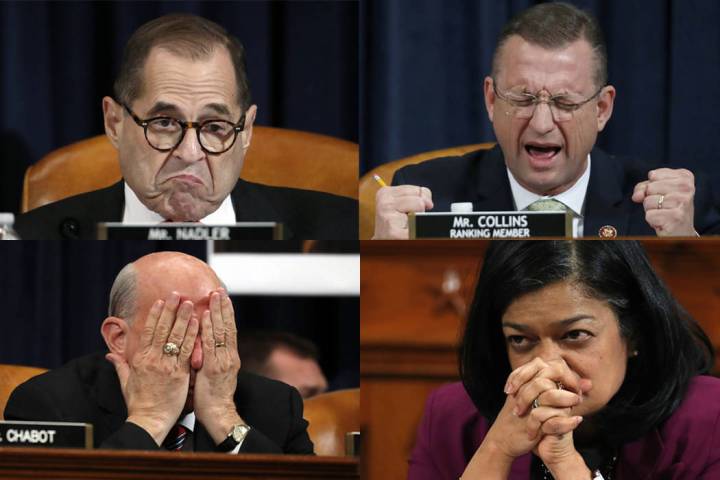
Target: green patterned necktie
547	205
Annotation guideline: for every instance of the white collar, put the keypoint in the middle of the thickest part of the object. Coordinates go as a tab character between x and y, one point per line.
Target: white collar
136	212
188	421
573	197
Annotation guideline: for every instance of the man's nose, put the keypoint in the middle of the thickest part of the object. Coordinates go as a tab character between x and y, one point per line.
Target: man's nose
196	358
189	149
542	120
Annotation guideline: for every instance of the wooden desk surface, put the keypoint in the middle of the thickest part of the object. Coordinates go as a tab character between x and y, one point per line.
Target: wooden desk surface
55	463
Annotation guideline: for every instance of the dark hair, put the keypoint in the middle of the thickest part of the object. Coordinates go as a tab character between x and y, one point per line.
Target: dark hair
187	36
255	347
553	26
672	347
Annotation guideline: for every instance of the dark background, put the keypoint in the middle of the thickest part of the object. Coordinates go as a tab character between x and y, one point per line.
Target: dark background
54	296
58	59
422	65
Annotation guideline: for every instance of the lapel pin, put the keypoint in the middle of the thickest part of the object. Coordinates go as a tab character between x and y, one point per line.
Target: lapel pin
608	231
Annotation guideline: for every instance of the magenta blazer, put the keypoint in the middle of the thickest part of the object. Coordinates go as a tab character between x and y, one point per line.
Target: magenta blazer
685	447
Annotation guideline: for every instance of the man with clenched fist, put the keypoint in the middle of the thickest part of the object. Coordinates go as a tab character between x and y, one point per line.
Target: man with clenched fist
548	97
171	378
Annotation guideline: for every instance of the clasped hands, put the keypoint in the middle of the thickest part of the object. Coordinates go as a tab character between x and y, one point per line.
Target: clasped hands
155	384
537	416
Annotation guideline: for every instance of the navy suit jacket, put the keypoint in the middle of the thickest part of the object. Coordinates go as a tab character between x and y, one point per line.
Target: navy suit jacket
685	446
481	177
305	214
87	390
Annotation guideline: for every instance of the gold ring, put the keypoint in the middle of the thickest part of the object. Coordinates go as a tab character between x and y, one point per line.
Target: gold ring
660	202
171	349
219	344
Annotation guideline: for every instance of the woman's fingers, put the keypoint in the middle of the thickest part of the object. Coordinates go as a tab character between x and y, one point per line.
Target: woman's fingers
523	374
561	425
546	392
556	370
550	421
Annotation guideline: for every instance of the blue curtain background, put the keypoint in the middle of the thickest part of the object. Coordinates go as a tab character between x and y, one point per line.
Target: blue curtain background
58	59
423	64
55	296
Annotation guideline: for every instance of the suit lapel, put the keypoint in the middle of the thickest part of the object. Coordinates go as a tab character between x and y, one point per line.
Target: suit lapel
605	203
251	206
493	193
108	204
104	205
117	201
110	400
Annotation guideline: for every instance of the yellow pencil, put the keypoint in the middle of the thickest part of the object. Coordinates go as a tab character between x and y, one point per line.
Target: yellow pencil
379	180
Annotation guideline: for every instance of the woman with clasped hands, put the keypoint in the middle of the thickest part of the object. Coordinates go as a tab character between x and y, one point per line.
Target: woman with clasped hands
577	364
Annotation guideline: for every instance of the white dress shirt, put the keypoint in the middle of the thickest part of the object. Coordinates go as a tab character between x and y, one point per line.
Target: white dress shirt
136	212
573	198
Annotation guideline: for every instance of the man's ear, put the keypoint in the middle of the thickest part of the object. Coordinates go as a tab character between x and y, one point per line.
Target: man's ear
113	118
489	94
246	134
115	331
606	101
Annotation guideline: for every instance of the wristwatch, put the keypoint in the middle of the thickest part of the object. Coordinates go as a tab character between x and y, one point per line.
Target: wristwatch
235	437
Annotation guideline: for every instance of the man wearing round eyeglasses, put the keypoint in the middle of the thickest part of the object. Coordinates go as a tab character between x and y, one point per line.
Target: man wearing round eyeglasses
182	121
548	99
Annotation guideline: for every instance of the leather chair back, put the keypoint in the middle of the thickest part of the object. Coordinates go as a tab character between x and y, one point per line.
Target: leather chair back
281	157
330	416
10	377
368	186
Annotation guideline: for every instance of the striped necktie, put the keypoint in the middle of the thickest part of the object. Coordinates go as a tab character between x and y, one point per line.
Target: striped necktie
547	205
175	438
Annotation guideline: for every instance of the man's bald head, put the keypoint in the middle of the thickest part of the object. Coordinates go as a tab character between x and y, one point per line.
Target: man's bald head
157	274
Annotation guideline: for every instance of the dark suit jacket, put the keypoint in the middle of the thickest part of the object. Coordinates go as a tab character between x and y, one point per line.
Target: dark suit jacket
87	390
305	214
685	447
481	177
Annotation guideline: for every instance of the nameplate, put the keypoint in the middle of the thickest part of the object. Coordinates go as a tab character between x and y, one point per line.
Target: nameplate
190	231
478	225
45	434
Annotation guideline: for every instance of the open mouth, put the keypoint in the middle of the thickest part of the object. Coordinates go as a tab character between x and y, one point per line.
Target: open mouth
542	152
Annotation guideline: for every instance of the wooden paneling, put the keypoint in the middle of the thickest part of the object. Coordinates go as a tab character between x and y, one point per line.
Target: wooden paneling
47	463
691	270
391	410
412	303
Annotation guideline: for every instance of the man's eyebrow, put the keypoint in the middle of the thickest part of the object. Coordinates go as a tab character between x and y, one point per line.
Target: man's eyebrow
163	108
561	323
218	108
